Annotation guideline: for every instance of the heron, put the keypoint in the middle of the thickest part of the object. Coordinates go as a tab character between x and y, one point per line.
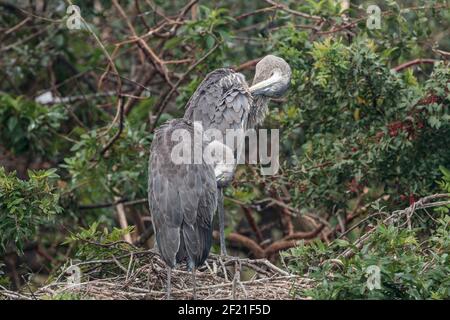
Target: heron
225	101
183	197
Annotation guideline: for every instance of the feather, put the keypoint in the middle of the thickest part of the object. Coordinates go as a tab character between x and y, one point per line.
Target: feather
221	90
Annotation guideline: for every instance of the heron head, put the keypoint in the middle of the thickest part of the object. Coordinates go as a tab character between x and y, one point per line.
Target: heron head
272	77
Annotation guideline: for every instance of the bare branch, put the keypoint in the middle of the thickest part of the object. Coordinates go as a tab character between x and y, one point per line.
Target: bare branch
413	63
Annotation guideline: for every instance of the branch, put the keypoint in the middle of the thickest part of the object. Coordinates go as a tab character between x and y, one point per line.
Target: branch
161	106
443	53
295	13
283	244
250	244
252	13
305	235
252	223
132	102
125	202
279	246
412	63
118	133
247	65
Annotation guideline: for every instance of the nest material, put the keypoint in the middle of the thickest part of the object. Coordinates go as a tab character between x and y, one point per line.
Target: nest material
145	274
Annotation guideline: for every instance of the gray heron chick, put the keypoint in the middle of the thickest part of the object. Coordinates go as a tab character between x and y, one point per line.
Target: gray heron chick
183	195
225	101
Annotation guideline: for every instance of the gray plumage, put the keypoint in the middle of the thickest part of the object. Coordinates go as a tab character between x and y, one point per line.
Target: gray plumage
182	199
225	101
222	101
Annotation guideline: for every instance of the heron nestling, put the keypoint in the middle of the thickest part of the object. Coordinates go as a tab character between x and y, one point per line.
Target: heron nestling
183	197
225	101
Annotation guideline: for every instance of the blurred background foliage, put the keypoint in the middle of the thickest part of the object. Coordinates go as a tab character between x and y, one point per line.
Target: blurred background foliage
365	124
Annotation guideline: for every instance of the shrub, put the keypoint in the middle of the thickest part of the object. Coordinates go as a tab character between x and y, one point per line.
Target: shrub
25	205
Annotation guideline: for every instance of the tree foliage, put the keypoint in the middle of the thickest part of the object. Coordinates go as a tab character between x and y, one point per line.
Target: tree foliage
364	129
26	205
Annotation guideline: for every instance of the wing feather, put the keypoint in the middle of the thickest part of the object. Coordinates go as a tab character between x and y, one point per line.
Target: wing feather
224	97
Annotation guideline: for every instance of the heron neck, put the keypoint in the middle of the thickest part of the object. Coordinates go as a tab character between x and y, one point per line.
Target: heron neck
258	111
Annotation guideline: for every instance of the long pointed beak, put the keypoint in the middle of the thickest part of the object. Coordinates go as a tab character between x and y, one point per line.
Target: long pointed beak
263	86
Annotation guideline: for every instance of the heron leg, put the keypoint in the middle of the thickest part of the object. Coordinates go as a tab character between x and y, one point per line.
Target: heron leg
223	248
194	281
169	285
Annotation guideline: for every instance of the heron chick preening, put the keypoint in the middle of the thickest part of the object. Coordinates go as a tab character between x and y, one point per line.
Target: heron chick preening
225	101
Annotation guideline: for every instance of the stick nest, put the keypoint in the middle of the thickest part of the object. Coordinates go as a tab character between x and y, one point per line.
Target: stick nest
142	275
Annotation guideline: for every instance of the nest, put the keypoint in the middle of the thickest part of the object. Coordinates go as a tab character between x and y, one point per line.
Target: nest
143	275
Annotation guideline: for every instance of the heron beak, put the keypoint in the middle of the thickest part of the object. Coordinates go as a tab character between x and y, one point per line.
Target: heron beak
264	86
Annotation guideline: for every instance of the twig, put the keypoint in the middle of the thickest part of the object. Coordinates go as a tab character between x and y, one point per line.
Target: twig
255	12
125	202
121	125
17	26
294	12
